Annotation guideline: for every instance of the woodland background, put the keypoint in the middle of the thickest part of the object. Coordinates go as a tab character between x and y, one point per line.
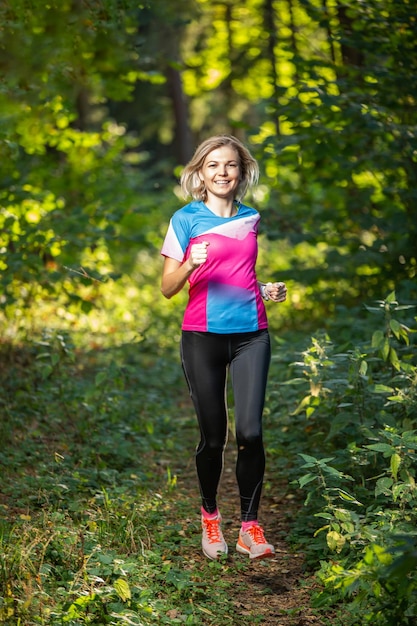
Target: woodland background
101	104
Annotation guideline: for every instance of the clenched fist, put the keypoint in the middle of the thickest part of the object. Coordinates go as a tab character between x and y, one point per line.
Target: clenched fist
276	291
198	253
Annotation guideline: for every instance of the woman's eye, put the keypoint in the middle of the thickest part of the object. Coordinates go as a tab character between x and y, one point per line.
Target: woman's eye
215	165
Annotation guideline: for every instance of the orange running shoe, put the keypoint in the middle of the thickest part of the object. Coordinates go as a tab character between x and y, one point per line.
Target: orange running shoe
253	543
213	542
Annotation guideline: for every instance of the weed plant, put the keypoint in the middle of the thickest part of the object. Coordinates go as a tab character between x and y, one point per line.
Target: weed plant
356	465
95	529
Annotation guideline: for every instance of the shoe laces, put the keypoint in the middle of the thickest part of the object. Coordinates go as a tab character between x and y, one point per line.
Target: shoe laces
212	527
257	534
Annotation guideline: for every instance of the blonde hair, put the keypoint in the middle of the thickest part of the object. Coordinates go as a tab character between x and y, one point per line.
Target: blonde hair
192	185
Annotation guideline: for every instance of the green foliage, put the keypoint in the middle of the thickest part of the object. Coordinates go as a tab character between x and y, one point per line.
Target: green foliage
73	190
87	489
91	138
383	583
95	529
358	468
100	103
342	165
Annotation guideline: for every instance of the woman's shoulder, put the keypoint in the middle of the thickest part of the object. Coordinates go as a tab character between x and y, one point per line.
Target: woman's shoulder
190	209
246	210
187	213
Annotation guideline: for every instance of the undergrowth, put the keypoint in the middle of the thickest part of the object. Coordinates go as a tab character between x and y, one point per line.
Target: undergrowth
354	457
95	530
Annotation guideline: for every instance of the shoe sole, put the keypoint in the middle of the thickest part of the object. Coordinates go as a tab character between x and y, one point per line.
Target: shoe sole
218	556
246	550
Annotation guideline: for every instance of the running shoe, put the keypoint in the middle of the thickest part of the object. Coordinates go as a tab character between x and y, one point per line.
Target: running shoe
213	542
253	543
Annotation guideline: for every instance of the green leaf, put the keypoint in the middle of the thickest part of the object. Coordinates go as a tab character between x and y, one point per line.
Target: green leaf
348	498
383	486
307	478
385	448
309	411
395	327
385	349
391	298
377	339
122	589
393	359
363	368
324	515
379	388
335	541
326	460
343	515
46	371
395	464
398	490
308	459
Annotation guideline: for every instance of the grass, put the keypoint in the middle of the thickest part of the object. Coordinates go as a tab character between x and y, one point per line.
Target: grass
99	503
96	527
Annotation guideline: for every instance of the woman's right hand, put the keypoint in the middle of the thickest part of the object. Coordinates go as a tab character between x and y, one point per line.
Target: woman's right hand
198	254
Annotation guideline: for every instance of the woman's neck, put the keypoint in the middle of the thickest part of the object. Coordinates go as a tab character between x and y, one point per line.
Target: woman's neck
222	207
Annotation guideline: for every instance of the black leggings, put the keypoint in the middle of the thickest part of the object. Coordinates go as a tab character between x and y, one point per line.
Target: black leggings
206	358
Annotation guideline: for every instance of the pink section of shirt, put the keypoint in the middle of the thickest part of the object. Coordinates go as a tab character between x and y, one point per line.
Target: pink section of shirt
224	295
228	271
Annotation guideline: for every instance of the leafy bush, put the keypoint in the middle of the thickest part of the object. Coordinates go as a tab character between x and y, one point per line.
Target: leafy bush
359	468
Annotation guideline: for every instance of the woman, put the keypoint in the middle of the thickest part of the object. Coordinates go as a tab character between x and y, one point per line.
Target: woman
212	243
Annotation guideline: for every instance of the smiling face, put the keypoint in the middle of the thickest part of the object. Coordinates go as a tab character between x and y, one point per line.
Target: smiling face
221	173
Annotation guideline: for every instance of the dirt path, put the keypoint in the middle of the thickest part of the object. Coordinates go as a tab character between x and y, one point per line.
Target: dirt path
275	590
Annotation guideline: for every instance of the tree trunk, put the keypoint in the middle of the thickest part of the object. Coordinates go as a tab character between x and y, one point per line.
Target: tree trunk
271	28
182	144
351	56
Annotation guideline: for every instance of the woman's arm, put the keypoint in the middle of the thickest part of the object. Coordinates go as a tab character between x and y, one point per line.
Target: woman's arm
174	276
175	273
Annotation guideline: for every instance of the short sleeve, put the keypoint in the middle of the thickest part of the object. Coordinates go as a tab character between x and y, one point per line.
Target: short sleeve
172	247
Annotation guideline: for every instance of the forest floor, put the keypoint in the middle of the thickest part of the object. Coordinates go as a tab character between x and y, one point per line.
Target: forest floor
50	485
274	591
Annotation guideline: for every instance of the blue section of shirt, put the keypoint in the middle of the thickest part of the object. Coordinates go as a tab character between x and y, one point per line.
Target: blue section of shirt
195	219
224	295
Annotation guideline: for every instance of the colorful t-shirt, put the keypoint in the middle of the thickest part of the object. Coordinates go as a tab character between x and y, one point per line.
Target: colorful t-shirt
224	295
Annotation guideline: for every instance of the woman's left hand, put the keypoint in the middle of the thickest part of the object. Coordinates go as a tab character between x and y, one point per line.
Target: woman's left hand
276	291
